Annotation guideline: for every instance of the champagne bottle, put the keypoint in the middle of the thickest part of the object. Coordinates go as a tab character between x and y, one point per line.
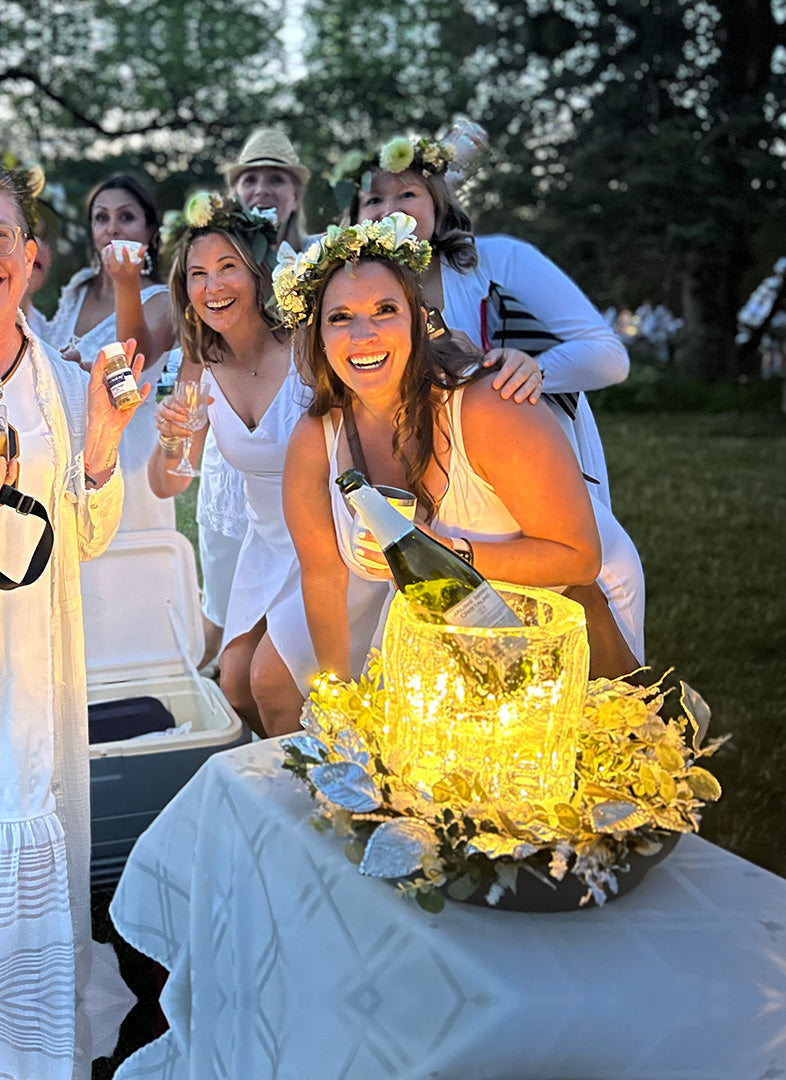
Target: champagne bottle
439	580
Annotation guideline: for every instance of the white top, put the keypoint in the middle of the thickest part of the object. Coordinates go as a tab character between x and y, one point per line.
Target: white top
141	510
590	356
472	508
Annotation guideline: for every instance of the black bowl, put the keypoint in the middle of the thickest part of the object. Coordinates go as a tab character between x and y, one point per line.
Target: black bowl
533	894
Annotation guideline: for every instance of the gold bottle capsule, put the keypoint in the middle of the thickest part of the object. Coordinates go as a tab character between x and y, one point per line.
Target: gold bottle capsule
121	383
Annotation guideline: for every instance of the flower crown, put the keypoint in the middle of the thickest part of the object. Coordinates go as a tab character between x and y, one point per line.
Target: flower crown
297	277
210	210
417	152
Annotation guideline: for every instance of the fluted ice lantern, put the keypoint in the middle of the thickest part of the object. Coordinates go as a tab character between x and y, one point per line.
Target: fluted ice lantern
499	707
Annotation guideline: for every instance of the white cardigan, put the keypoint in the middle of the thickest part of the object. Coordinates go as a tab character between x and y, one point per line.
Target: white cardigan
84	523
590	356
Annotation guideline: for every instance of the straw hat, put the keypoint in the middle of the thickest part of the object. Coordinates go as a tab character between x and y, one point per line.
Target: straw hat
266	146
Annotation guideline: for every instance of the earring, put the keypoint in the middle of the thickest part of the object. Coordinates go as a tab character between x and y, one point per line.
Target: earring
147	266
190	314
95	263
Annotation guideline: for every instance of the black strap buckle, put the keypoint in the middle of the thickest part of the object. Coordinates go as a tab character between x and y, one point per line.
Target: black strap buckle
17	500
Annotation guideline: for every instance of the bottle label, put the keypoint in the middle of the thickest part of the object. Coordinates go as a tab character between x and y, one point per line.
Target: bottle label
482	607
121	382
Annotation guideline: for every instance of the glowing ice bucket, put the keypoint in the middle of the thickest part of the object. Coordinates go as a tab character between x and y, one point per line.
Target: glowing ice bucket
513	737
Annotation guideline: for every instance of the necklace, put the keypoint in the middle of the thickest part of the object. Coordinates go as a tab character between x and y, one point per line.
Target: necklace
14	365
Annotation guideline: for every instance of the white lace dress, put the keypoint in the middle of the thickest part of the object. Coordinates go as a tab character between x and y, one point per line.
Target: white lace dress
45	952
141	510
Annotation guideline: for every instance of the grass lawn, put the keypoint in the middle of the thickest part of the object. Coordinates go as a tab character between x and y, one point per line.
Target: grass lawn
704	499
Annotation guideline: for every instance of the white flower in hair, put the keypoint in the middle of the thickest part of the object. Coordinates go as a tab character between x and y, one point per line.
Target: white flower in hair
396	155
199	209
286	260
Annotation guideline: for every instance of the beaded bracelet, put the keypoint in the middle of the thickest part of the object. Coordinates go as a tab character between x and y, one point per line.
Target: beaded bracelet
170	442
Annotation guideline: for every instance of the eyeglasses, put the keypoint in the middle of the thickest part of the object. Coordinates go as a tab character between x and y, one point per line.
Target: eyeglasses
9	235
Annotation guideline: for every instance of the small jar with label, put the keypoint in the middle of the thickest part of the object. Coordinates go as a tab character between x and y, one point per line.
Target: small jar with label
119	379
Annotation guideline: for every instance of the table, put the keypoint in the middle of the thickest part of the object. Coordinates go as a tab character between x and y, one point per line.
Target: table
286	963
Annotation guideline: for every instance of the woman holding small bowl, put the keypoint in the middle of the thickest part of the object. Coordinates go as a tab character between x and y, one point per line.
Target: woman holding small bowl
119	296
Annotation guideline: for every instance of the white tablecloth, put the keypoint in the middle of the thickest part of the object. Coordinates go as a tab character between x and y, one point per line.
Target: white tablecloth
287	964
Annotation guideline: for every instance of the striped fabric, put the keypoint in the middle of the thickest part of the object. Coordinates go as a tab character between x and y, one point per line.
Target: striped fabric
507	324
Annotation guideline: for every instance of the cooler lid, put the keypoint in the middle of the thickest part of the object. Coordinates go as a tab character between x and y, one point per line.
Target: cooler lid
140	601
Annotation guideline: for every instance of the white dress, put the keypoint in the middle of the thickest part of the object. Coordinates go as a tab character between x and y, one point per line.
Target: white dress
222	519
471	508
267	576
45	949
590	356
141	510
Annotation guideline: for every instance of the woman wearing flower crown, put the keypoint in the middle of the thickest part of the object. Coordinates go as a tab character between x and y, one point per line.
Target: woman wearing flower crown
220	285
412	175
266	175
118	297
498	482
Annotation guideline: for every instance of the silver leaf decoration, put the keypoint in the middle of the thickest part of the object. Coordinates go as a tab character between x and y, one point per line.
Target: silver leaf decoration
347	785
397	848
350	747
494	846
307	745
697	711
617	816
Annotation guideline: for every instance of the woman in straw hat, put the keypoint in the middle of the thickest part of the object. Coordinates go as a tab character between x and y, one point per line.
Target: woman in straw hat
268	175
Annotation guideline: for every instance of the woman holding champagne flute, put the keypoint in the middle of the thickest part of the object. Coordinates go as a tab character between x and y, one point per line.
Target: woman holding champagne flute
220	285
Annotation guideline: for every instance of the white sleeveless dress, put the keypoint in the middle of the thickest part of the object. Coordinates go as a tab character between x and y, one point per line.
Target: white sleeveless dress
141	509
471	508
267	576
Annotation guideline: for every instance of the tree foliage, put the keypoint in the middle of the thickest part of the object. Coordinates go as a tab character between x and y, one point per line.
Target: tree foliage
640	142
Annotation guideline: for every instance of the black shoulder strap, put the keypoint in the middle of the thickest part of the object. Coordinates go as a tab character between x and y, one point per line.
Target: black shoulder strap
355	449
26	504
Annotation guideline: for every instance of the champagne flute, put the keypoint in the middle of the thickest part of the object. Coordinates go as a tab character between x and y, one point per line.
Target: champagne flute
191	395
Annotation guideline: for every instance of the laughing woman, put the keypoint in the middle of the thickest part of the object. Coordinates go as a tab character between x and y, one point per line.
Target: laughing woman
267	175
408	175
483	469
220	284
68	433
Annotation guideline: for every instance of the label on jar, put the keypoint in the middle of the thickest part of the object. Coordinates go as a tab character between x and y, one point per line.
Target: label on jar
121	382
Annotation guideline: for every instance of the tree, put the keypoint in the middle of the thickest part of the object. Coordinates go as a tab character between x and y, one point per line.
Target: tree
638	141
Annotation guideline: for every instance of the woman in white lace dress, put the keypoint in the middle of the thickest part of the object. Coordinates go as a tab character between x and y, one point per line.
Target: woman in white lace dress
68	434
116	298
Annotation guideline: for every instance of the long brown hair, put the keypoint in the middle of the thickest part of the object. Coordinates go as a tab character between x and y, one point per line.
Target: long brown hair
432	370
452	236
201	343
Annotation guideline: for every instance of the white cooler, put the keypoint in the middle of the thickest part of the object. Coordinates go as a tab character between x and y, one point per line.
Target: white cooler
143	638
